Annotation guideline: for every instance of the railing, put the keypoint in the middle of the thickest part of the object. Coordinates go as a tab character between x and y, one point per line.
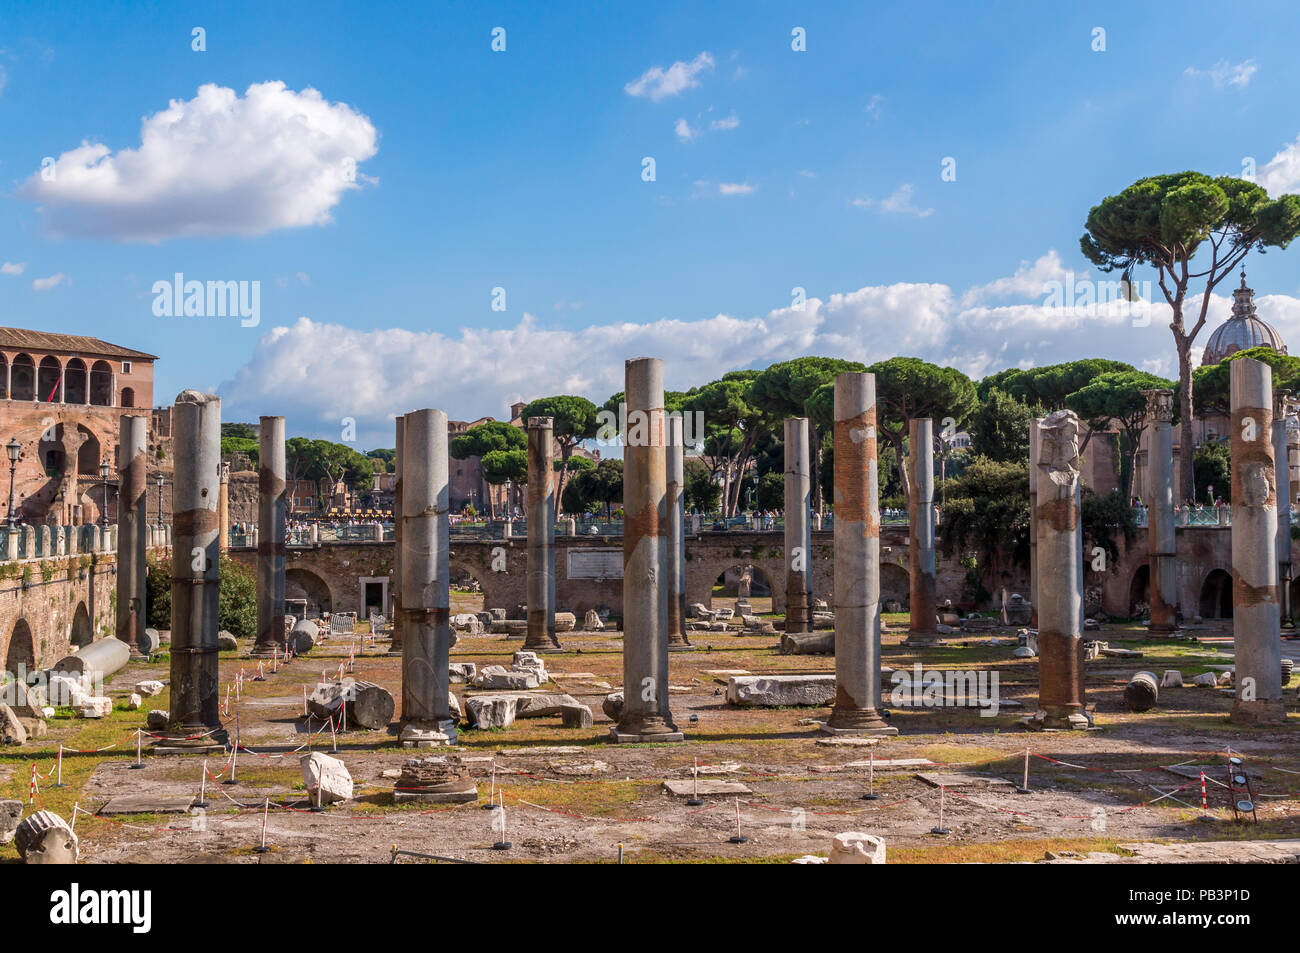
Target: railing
1212	514
26	541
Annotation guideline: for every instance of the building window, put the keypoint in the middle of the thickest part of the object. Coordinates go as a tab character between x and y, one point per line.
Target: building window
126	367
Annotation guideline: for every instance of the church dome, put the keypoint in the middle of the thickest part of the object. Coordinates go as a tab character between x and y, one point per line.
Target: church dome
1244	329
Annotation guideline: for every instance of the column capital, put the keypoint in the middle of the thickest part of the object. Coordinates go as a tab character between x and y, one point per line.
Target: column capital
1160	405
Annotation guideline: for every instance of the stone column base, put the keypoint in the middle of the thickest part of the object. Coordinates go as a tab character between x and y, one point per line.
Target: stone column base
450	792
1258	712
923	640
681	647
266	650
178	742
854	722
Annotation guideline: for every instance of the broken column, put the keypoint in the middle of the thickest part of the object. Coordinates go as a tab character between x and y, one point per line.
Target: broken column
1060	567
857	561
196	429
1282	404
924	605
1033	521
676	489
541	534
798	527
426	593
1255	618
132	503
1162	547
645	716
272	514
395	644
223	506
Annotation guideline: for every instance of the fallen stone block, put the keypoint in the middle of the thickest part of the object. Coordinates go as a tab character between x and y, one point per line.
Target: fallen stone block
12	731
134	702
156	720
808	643
435	780
591	621
327	779
497	676
11	814
810	859
854	847
1172	678
576	716
227	642
780	691
688	787
612	706
150	688
543	704
304	637
462	671
525	661
96	706
492	711
1206	679
1142	692
565	622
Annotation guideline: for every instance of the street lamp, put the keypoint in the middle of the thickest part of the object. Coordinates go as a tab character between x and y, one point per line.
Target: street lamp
159	480
14	449
103	479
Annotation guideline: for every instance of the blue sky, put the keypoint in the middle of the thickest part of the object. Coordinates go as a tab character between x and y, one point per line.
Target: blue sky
521	169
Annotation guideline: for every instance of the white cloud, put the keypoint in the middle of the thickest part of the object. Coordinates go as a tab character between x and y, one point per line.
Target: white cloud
735	188
1281	174
658	83
477	371
1224	73
684	131
218	164
899	202
13	268
873	105
45	284
731	122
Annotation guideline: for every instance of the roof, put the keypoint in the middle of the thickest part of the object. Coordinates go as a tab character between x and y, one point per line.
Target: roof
1243	329
74	343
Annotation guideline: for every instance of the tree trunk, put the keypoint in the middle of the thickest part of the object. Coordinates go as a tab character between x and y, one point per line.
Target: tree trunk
815	471
1187	483
726	488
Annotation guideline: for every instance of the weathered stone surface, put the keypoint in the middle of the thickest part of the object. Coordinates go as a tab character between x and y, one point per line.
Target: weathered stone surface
704	786
11	813
437	780
150	688
591	621
68	688
854	847
453	705
1206	679
770	691
149	642
35	727
525	661
543	704
134	702
462	671
808	643
327	779
576	716
45	838
497	676
612	706
156	720
565	622
12	731
304	636
1142	692
492	711
1172	679
227	642
96	706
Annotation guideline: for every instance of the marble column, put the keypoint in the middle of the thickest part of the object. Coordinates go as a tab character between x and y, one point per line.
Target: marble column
1255	615
676	489
1282	406
798	527
541	535
924	606
399	623
1162	544
272	513
132	503
857	561
1033	521
646	714
195	685
223	506
1060	574
426	592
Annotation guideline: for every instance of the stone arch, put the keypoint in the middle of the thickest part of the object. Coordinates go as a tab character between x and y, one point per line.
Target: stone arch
47	380
24	378
76	381
895	584
1216	595
101	384
83	633
21	650
744	580
301	582
461	570
1139	591
4	377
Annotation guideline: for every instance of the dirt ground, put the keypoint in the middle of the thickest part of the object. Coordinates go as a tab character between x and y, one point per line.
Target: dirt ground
571	796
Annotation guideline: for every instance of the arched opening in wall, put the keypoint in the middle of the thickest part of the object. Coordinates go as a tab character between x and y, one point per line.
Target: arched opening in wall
4	377
89	456
101	384
47	380
895	588
23	382
20	657
1139	593
1216	596
82	632
50	451
128	398
466	590
305	585
75	381
744	581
